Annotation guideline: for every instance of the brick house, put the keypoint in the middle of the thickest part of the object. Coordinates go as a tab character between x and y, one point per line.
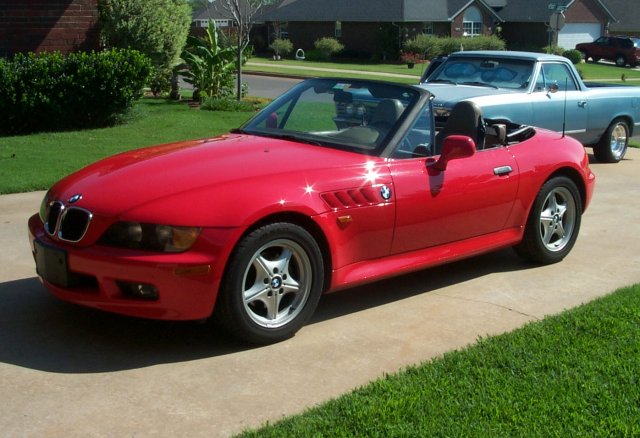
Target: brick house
34	26
367	26
526	23
362	24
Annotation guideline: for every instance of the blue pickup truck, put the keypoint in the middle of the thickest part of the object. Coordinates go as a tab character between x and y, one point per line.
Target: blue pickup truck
539	90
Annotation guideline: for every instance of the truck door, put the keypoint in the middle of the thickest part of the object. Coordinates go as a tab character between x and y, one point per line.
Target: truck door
557	99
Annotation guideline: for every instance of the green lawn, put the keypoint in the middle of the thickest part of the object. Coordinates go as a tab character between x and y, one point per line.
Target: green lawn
35	162
591	71
575	374
307	69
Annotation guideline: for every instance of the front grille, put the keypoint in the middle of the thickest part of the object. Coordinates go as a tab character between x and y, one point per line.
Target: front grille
53	216
68	224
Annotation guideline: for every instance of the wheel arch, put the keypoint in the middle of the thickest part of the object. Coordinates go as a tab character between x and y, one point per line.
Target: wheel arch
574	176
628	119
304	222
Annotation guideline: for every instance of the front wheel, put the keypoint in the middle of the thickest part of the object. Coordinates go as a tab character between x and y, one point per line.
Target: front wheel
272	284
620	61
553	224
613	144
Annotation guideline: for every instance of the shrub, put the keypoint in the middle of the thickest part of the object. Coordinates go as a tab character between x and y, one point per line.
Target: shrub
419	44
157	28
233	105
281	46
431	46
573	55
450	45
554	50
48	91
328	46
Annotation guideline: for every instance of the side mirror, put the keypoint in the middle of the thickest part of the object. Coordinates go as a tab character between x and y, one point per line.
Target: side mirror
553	88
453	148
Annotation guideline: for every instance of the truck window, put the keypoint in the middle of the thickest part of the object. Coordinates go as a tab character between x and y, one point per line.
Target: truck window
555	74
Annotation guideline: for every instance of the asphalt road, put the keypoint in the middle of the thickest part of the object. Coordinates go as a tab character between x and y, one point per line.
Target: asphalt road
66	371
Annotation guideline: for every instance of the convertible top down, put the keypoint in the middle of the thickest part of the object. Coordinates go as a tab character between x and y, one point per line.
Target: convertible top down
337	182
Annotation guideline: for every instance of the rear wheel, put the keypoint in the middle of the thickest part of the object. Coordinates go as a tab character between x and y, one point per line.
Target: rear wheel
554	222
613	144
272	285
620	61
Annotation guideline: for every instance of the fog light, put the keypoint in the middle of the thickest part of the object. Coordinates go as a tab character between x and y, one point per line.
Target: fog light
139	291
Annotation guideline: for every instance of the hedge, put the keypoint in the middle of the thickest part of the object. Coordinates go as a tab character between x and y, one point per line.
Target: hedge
432	46
48	91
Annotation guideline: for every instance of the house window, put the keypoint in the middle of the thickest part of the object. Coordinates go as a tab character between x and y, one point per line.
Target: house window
338	32
428	28
472	22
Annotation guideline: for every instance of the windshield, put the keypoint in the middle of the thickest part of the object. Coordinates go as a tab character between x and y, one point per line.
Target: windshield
359	116
485	72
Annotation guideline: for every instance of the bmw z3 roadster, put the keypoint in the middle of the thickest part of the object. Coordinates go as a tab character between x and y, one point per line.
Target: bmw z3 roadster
336	183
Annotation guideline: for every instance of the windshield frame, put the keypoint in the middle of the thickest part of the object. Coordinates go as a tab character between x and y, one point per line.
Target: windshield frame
416	98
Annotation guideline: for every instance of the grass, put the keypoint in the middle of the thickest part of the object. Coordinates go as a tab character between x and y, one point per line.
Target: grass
591	71
306	69
35	162
575	374
599	72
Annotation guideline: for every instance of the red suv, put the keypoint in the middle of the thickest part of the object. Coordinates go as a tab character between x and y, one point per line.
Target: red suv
622	50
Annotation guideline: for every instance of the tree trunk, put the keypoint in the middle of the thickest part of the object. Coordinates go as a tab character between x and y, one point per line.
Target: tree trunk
239	60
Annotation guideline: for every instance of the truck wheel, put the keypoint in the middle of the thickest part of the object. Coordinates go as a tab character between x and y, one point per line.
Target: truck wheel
553	224
614	142
620	61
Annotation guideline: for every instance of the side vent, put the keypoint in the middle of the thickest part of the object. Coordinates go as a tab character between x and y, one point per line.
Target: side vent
352	198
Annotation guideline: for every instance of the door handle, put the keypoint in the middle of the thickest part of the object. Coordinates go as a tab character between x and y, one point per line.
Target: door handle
582	103
502	170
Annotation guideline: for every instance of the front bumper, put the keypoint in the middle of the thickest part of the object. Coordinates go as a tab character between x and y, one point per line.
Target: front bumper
186	283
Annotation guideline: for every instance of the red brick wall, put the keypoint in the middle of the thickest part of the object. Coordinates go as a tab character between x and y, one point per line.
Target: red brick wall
48	25
585	11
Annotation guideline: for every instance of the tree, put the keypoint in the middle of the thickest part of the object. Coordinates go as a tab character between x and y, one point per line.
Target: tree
157	28
243	13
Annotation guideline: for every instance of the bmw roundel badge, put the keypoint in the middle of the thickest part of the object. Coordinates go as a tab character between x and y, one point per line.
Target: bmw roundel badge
385	192
75	198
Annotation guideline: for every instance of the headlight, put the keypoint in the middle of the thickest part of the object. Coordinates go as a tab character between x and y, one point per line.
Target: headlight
150	237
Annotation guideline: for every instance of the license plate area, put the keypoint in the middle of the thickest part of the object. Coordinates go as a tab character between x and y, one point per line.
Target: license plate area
51	264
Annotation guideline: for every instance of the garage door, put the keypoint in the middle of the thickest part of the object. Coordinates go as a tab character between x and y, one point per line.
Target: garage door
575	33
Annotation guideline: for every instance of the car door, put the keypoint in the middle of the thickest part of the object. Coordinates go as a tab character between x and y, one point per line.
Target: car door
472	197
566	108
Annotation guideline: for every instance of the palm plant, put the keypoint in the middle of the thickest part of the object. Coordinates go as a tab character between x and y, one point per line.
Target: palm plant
209	66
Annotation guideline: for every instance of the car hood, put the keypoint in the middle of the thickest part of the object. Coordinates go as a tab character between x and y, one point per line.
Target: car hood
227	172
447	95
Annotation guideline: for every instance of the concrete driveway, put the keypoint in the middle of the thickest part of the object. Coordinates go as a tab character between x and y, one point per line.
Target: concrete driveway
69	371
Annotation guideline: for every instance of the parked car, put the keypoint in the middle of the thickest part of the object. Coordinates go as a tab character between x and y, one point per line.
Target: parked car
540	90
336	183
622	50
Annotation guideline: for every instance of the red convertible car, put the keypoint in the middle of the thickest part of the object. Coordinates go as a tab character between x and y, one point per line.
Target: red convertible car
336	183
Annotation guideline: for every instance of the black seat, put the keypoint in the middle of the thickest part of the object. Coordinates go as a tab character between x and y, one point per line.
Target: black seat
465	119
386	114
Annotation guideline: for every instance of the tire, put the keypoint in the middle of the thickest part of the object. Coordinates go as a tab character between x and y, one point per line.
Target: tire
585	55
620	61
272	284
614	142
553	224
